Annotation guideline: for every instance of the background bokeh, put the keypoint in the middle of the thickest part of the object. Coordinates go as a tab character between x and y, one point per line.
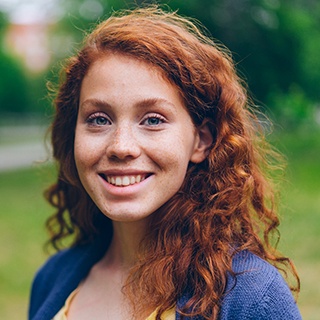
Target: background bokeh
275	44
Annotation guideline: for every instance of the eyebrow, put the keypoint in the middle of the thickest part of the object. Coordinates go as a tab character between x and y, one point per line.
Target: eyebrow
144	103
94	102
148	102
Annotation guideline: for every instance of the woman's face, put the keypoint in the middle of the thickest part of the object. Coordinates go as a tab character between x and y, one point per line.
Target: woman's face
134	138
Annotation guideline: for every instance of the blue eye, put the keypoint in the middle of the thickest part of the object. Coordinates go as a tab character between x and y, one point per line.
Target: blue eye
98	120
153	120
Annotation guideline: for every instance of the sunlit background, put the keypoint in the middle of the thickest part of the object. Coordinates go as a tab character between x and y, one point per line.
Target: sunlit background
276	45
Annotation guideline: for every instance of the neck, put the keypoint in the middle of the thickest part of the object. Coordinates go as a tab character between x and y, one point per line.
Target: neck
123	250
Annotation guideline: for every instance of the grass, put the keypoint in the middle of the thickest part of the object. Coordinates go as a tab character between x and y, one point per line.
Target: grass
301	214
23	212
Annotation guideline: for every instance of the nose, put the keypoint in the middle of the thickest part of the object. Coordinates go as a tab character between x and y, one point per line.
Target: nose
123	144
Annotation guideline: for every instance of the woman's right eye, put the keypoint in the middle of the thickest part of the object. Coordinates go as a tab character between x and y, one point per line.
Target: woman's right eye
98	120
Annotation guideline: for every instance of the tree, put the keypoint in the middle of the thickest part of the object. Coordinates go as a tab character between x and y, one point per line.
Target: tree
14	95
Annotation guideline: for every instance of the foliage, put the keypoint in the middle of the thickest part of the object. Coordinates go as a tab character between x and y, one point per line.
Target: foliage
14	95
20	91
292	108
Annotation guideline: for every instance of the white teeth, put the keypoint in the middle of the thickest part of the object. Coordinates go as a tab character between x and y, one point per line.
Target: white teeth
124	180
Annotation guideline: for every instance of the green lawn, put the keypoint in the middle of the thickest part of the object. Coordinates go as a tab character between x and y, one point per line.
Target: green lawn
300	213
23	212
22	235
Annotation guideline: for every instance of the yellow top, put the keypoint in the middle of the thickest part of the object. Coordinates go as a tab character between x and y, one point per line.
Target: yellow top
62	314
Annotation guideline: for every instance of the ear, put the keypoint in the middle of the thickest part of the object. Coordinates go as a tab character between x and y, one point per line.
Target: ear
203	142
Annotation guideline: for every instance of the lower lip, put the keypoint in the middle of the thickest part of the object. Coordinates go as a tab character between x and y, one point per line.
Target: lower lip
129	190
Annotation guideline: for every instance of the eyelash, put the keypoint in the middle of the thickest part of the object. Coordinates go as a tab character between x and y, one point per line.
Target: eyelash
154	116
94	117
91	120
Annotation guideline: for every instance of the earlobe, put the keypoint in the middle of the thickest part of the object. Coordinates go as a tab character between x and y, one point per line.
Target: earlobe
203	143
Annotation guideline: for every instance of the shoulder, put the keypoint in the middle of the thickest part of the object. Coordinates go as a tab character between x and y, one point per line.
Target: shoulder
59	276
55	267
258	291
49	278
58	263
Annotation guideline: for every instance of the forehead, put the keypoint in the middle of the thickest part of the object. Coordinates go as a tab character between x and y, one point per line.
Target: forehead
118	76
102	58
99	59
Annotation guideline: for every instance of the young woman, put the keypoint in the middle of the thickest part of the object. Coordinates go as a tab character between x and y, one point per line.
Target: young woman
161	183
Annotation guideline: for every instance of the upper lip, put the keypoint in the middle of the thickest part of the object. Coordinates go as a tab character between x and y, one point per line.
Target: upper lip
124	172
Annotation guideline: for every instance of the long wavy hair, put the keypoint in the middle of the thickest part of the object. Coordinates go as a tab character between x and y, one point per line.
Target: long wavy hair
226	203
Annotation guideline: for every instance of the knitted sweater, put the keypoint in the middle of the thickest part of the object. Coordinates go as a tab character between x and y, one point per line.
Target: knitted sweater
258	292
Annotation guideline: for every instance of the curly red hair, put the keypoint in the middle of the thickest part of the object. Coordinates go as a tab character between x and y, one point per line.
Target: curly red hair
226	203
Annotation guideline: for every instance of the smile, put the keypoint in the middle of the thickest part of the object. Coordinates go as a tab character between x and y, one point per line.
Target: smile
123	181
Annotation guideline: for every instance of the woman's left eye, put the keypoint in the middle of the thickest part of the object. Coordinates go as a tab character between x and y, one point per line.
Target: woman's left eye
154	120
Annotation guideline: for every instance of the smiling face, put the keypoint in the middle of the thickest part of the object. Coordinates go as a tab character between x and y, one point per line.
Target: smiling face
134	138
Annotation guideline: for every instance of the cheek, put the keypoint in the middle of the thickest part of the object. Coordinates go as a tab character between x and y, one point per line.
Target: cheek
86	150
174	161
79	154
178	151
84	159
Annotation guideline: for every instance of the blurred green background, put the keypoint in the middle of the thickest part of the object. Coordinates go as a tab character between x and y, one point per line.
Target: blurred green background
276	45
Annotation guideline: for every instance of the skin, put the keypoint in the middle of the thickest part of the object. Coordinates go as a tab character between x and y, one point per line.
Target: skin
134	140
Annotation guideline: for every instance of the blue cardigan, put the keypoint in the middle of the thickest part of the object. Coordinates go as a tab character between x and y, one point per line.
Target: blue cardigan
259	292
